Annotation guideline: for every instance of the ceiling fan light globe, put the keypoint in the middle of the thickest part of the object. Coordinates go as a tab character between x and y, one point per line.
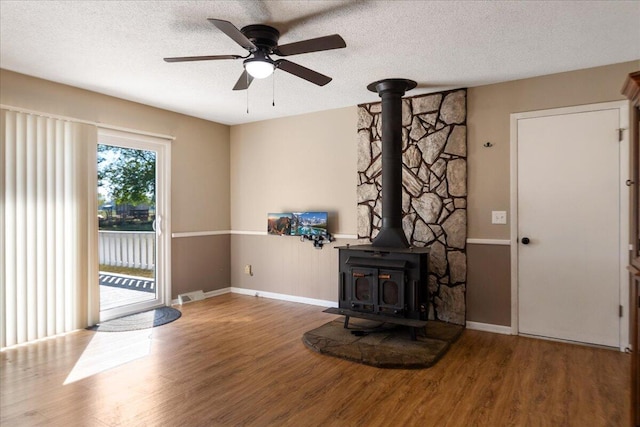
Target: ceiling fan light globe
259	69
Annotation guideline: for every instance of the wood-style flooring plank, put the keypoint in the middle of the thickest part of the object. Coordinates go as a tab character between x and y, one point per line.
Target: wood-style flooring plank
237	360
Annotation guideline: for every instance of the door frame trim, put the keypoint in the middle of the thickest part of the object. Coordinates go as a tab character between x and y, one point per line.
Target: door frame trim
623	107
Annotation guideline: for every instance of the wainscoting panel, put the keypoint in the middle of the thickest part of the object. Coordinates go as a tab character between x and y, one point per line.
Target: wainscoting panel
489	284
286	265
200	263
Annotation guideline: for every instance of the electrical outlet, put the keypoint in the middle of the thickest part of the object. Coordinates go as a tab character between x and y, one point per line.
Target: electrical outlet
247	270
498	217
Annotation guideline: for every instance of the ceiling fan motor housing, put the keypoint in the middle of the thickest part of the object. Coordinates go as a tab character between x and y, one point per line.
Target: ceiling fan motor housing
263	36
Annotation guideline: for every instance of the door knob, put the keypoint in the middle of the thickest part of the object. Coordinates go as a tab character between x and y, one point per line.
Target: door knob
525	240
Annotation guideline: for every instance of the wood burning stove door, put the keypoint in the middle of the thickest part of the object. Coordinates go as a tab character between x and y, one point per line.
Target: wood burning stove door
380	291
363	289
391	290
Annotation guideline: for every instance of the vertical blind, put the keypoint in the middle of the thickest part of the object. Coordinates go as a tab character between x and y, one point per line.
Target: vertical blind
48	266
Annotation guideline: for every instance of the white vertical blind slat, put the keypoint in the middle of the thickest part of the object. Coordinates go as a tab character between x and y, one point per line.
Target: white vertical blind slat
51	228
59	202
41	227
2	232
46	241
20	202
9	282
70	221
31	228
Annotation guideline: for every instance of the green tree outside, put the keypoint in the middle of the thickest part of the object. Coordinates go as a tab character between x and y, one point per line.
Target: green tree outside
128	177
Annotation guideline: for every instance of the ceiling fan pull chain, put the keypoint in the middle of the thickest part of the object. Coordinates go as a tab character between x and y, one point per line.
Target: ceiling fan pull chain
247	93
273	93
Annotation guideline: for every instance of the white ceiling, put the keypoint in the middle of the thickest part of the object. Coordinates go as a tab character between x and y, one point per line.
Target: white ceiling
116	47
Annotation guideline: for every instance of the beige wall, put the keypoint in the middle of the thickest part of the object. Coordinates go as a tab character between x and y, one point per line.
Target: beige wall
199	164
488	120
299	163
201	262
286	265
488	284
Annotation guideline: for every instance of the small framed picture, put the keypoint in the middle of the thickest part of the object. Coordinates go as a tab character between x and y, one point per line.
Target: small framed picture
279	223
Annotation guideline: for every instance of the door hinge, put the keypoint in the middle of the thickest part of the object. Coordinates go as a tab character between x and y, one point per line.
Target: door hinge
621	133
620	311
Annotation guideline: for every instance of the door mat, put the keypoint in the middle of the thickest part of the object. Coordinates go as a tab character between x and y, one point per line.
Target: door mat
146	319
383	345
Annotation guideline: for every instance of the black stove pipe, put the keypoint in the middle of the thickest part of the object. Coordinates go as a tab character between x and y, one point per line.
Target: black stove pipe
391	91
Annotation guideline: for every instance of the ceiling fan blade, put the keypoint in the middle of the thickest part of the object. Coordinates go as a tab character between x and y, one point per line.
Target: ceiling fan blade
244	81
303	72
200	58
312	45
233	32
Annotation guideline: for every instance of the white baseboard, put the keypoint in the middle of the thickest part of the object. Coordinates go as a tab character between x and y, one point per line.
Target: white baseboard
217	292
284	297
488	327
271	295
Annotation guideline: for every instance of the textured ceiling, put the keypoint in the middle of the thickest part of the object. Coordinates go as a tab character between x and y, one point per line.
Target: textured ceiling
116	47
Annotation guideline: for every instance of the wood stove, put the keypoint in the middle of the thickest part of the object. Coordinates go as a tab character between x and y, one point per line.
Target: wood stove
387	280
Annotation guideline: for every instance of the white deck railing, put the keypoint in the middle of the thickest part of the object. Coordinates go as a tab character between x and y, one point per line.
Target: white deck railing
134	249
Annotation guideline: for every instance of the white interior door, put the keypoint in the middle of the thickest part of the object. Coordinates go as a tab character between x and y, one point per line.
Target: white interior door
569	210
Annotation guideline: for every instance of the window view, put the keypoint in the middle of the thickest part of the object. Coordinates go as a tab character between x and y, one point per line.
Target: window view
126	217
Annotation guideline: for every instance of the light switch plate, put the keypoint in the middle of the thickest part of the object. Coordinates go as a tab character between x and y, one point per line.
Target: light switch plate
498	217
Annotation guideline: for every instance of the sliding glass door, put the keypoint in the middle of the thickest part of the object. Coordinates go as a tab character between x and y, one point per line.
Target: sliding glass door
133	236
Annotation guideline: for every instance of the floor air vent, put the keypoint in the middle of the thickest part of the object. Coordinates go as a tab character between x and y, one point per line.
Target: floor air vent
190	296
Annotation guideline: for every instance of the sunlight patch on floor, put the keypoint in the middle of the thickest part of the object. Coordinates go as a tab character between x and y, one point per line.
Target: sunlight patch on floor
106	350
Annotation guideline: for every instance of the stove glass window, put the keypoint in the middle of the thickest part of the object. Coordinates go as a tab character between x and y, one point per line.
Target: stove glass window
390	292
363	289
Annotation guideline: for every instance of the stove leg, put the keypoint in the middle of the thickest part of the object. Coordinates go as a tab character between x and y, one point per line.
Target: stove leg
412	330
346	322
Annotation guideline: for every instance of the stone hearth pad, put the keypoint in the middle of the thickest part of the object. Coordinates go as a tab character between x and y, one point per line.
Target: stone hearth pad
383	345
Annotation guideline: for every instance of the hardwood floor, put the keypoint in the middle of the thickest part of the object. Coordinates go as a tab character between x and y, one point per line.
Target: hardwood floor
239	360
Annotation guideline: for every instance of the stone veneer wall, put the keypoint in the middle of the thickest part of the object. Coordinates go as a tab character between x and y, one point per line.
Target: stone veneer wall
434	189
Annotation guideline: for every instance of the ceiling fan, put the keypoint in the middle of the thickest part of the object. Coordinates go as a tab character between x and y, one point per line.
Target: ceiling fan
262	41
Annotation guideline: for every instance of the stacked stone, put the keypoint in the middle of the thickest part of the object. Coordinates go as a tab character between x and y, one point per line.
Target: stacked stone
434	189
